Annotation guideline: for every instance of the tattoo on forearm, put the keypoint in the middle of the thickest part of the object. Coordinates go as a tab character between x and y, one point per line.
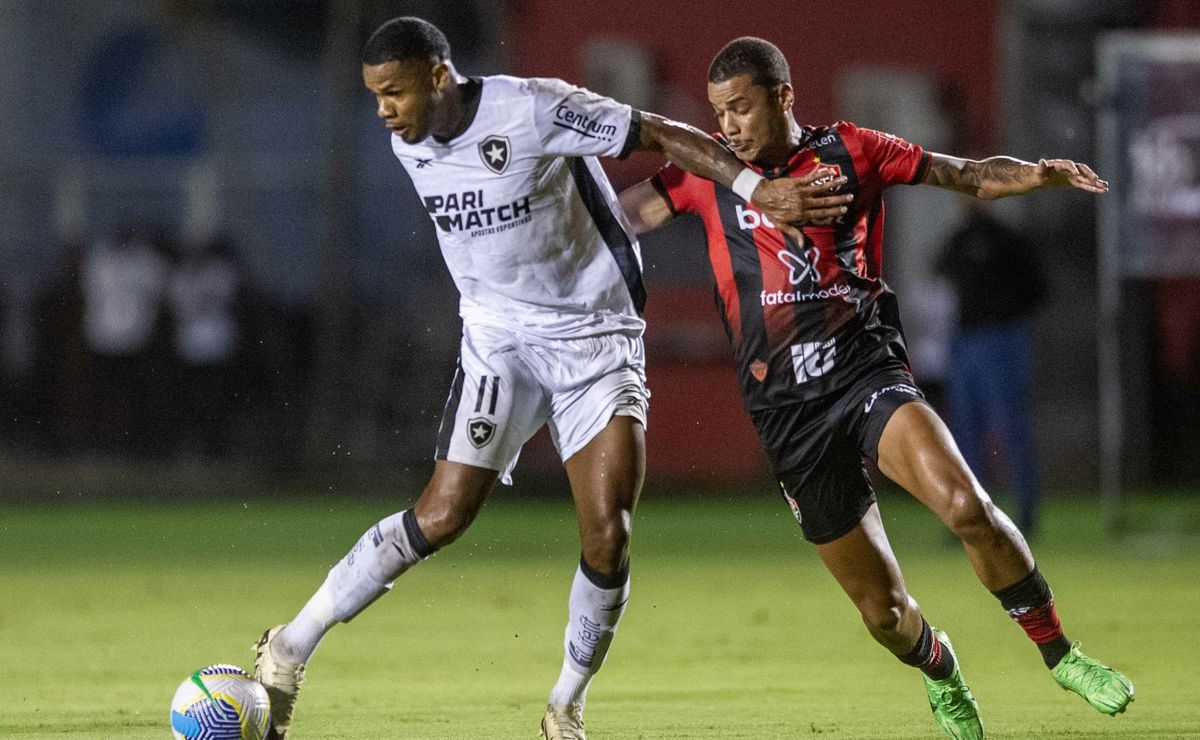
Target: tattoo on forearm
955	174
992	177
1005	173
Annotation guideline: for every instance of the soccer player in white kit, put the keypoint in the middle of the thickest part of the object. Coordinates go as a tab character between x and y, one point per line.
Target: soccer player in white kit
549	274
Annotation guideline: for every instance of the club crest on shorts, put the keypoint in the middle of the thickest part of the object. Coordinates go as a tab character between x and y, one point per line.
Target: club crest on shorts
480	431
758	369
495	152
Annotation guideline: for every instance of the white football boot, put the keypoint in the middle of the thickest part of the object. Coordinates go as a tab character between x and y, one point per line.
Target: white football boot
282	681
563	722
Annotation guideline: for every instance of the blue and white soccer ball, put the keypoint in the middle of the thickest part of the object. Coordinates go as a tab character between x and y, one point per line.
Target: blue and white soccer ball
220	702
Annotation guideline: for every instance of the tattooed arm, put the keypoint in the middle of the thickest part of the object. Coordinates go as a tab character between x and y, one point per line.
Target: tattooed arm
787	200
998	177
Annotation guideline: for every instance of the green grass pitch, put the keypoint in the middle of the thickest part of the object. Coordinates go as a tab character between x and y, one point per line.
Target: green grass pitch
734	630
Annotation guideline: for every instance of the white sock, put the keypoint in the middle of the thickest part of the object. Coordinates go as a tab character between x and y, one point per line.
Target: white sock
594	613
367	572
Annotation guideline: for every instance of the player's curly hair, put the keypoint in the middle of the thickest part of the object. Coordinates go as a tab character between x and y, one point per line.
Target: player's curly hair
759	58
406	39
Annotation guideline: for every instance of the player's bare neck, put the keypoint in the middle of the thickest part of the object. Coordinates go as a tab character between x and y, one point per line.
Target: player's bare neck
778	155
462	102
773	159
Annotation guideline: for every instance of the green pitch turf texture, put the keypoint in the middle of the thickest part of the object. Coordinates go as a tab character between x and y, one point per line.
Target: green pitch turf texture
734	630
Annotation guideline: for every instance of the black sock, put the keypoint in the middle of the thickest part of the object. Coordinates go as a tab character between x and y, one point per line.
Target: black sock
600	580
930	655
416	537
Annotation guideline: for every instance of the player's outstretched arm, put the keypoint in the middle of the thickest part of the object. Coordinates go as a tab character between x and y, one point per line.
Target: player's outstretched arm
645	207
788	201
998	177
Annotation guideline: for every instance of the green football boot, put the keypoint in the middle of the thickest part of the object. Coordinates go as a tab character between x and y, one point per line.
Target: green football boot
1104	688
954	708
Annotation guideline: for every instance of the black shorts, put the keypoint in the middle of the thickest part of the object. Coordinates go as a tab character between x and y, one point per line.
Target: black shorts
817	449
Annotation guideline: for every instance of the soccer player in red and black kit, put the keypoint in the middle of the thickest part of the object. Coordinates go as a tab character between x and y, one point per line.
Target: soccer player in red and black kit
822	365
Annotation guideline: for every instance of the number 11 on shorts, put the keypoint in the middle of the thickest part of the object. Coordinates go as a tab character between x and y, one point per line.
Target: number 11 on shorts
484	382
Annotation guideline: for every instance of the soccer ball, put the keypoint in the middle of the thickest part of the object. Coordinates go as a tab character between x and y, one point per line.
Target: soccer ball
220	702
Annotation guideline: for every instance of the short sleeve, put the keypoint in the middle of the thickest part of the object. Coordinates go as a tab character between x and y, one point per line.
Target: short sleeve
677	186
573	121
896	161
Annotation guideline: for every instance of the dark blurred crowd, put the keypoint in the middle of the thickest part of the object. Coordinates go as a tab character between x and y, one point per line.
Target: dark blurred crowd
145	346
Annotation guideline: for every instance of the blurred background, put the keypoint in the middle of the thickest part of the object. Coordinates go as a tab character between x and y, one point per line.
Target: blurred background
216	274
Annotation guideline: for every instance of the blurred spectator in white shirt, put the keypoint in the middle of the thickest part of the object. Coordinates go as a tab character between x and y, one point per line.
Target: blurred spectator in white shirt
123	281
203	297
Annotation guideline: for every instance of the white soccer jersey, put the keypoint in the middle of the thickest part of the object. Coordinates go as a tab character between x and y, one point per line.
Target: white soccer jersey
527	221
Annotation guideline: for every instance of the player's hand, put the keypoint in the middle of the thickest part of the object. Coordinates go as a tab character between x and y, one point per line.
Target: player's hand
792	202
1063	173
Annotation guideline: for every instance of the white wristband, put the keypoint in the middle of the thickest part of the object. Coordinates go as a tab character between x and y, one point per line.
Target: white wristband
745	183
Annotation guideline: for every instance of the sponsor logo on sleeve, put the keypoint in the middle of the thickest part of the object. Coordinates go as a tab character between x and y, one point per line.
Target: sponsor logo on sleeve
581	123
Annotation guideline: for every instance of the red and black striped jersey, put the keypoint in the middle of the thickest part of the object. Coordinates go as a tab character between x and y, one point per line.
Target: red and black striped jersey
805	319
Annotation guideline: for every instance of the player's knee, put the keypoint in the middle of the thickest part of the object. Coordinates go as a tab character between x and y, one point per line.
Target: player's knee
606	544
443	525
883	615
968	513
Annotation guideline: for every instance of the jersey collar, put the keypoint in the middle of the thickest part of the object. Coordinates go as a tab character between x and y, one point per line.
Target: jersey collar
472	91
794	158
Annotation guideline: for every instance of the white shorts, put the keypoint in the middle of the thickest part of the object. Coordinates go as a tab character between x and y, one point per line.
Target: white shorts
508	385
